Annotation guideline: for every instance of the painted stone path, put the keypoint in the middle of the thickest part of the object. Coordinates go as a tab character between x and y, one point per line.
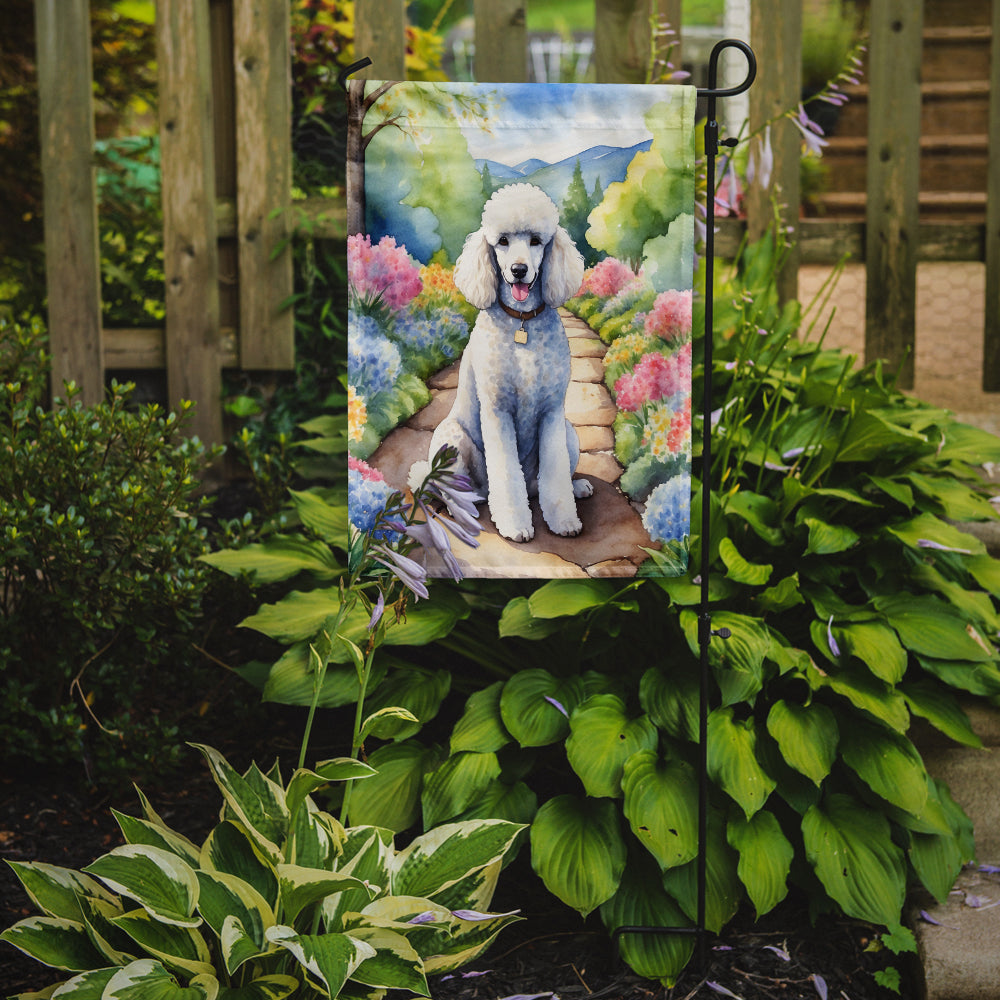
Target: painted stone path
608	546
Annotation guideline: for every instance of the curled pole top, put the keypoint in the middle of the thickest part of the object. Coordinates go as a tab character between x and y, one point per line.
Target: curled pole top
712	91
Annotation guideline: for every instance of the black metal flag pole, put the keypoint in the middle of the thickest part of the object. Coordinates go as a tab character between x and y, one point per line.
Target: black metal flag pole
705	631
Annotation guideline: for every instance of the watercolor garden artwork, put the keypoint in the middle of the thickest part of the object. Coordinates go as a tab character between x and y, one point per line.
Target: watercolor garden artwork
520	272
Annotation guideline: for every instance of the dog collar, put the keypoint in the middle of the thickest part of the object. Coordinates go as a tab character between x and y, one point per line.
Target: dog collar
520	334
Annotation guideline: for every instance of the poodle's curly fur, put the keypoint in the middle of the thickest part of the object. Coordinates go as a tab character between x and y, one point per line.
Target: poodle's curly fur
508	421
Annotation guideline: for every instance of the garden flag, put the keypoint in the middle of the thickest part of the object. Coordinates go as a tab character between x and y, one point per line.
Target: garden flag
520	267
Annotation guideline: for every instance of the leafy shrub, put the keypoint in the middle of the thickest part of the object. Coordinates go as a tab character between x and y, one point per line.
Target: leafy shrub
279	900
99	539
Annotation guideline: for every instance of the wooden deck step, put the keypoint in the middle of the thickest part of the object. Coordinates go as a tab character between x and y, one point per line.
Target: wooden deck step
945	105
956	53
957	206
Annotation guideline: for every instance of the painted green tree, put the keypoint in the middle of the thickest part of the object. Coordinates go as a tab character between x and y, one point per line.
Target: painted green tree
575	209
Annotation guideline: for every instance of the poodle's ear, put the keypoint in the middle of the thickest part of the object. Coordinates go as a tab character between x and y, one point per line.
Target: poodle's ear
475	271
563	269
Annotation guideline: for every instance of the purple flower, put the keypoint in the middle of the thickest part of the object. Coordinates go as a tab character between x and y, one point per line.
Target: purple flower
558	705
377	612
761	163
409	572
811	132
820	983
427	917
927	543
475	915
834	648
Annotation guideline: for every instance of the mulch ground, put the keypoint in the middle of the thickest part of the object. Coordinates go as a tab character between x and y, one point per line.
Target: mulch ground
552	952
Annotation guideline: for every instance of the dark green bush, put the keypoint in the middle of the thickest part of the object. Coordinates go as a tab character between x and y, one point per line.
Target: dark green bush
100	587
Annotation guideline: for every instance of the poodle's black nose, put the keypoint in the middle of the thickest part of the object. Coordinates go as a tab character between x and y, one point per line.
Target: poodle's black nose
519	271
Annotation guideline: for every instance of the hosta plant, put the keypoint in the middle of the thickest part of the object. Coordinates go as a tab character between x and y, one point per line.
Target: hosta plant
279	900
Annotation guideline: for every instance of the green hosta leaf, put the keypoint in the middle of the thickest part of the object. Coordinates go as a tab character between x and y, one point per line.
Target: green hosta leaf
274	987
528	710
481	728
415	689
56	891
147	979
850	848
391	798
641	901
517	620
388	722
578	851
602	738
937	859
230	849
928	528
438	859
807	736
738	661
876	646
671	700
931	628
456	784
732	760
301	887
279	558
515	803
751	574
976	678
661	798
327	520
957	501
291	680
723	889
965	443
226	898
260	809
159	881
888	763
330	959
760	512
941	709
395	964
141	831
986	572
560	598
54	941
783	595
765	858
975	605
828	539
870	436
180	948
866	692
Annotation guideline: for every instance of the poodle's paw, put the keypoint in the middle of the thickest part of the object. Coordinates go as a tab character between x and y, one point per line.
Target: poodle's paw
521	533
567	525
582	488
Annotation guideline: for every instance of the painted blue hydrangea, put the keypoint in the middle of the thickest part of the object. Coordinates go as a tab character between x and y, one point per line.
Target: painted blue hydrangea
443	329
373	361
366	498
668	510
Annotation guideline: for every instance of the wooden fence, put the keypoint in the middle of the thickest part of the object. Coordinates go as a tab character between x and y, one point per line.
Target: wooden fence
226	160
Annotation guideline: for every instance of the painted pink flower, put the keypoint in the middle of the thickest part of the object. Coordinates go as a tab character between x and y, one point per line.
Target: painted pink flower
384	269
670	317
656	376
608	278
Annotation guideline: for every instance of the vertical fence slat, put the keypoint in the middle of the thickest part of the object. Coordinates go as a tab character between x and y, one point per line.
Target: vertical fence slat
621	39
72	256
991	332
501	41
261	41
380	34
190	253
892	215
776	34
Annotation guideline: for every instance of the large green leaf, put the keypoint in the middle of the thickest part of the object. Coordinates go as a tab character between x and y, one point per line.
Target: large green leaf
932	628
327	520
976	678
876	646
661	806
560	598
55	941
641	901
738	661
456	784
958	502
807	736
391	798
851	850
275	987
535	706
870	435
765	858
291	680
671	700
304	782
888	763
516	620
926	528
147	979
164	885
329	959
827	539
578	851
56	891
279	558
419	690
739	569
936	704
866	692
602	738
481	728
732	760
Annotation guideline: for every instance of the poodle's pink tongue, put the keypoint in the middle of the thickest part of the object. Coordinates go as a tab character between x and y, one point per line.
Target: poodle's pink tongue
520	290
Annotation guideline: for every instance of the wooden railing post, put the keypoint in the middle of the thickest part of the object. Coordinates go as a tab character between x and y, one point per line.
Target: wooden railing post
380	34
190	251
623	35
893	183
501	36
776	35
72	255
991	333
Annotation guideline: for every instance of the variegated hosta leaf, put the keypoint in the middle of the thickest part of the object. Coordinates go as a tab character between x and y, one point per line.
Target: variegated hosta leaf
535	706
481	727
765	858
141	831
661	805
468	939
304	782
807	736
642	902
602	737
56	891
367	853
177	947
850	847
275	987
456	784
301	887
230	849
315	838
158	880
224	898
256	801
476	890
54	941
328	959
578	851
149	980
86	986
99	915
441	857
732	760
395	964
